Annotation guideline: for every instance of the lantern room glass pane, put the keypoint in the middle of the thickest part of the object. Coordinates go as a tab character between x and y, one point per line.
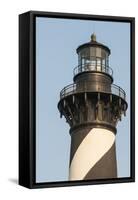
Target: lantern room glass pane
92	51
98	64
98	52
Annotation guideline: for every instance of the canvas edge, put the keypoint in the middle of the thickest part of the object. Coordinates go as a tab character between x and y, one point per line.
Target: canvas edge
27	150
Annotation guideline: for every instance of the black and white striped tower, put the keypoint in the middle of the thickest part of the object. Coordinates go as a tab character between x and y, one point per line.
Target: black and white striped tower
92	106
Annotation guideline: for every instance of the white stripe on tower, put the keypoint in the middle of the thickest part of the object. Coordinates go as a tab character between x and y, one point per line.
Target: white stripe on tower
93	147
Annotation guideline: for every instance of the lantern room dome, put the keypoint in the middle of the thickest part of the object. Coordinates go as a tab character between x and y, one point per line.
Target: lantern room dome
93	43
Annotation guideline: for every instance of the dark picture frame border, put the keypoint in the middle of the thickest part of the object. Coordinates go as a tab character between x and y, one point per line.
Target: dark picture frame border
27	98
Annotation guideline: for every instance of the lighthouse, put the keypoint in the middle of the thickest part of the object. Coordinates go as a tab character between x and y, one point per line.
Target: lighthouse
92	106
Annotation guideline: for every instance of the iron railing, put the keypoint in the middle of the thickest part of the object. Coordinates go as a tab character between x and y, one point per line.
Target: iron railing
73	89
93	67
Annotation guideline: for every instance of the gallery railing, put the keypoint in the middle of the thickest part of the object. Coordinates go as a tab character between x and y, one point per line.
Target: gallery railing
92	67
74	88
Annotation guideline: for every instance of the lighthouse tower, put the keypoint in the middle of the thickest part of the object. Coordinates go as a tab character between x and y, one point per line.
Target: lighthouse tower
92	106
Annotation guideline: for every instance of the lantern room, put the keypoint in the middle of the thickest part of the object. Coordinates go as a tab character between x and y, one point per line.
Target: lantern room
93	56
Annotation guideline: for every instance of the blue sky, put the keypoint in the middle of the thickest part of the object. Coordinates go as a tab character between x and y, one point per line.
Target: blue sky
56	43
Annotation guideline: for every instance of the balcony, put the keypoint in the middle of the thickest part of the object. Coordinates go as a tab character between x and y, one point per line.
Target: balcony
89	67
74	89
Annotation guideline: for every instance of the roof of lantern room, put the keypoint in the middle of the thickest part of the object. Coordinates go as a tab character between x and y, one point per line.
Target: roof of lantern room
93	43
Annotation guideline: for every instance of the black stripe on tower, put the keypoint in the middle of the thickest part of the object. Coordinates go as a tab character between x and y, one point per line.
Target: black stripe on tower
106	167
